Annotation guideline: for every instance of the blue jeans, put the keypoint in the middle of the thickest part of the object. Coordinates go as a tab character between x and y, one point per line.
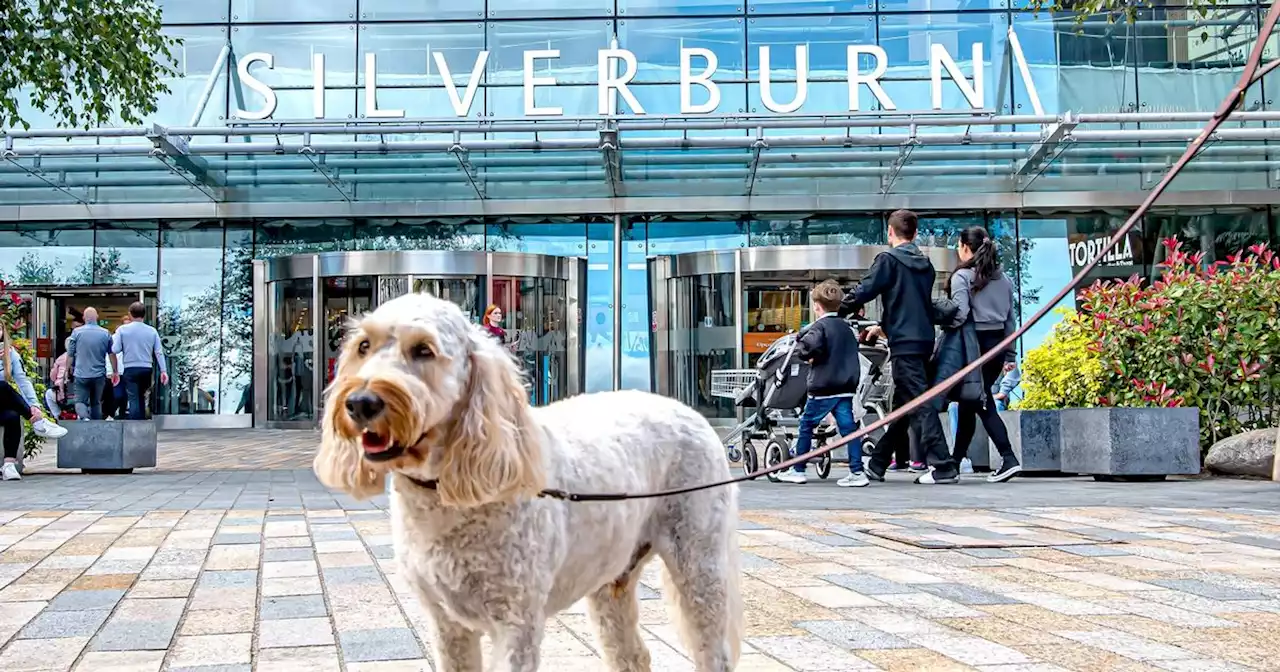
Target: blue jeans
137	380
89	397
817	409
953	411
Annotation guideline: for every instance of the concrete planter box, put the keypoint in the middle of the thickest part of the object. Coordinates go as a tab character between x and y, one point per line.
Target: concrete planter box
1140	443
118	446
1036	437
978	448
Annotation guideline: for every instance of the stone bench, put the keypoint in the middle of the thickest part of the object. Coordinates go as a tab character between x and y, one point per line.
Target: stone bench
101	446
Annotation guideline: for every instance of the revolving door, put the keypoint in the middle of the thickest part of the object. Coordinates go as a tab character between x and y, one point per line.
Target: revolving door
722	309
303	303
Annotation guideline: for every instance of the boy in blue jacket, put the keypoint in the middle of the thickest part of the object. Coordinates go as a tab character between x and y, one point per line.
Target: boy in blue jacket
830	346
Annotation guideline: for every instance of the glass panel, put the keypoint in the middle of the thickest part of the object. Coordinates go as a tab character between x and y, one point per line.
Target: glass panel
678	7
675	235
549	8
578	42
940	5
908	40
186	11
463	292
702	339
293	46
1188	60
868	230
343	298
943	230
561	239
46	253
237	321
1076	67
1046	268
636	316
405	52
773	311
290	351
827	39
283	237
124	254
1217	232
256	11
393	10
601	294
657	44
809	6
193	60
190	316
553	341
418	234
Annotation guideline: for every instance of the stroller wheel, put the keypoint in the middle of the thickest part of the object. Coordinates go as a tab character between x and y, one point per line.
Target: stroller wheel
733	454
774	454
824	466
750	460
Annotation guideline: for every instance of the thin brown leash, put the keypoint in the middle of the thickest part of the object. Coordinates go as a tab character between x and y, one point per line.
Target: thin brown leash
1248	77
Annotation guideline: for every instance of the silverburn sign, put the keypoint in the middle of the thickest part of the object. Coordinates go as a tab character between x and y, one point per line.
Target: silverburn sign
617	67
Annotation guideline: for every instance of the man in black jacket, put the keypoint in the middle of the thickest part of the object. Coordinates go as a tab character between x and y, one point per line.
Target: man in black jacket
903	278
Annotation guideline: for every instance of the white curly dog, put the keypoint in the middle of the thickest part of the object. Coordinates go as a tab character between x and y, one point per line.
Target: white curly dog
425	396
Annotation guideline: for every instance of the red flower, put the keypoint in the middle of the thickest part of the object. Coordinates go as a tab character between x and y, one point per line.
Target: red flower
1170	243
15	298
1207	365
1257	249
1250	371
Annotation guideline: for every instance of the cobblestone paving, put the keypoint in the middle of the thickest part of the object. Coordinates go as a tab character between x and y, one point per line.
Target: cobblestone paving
301	587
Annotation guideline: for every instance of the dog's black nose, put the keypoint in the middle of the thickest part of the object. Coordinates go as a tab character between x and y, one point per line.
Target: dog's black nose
364	406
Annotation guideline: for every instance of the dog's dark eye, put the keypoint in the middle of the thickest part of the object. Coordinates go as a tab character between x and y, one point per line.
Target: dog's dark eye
363	347
421	352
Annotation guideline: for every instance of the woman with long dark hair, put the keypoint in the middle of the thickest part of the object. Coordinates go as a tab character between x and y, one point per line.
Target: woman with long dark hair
985	296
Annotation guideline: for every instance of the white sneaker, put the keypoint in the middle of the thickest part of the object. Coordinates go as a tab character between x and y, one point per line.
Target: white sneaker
966	466
10	472
857	480
793	477
47	429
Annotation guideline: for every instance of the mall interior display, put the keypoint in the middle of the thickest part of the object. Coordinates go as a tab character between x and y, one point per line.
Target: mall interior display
108	446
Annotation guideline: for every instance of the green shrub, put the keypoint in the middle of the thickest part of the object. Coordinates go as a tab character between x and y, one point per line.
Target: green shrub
1065	371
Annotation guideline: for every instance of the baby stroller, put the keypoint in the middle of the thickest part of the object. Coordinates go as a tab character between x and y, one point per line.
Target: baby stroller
777	389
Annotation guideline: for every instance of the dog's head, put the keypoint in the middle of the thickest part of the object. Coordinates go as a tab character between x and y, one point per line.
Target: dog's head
421	390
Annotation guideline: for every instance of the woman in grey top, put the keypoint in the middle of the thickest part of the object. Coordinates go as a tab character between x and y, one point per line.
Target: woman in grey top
985	295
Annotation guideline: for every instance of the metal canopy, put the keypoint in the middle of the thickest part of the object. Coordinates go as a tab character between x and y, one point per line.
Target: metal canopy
459	161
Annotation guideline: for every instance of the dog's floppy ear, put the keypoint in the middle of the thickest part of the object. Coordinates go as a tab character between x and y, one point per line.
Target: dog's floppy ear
494	451
339	463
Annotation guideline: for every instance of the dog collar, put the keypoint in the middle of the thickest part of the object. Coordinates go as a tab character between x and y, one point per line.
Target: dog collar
549	493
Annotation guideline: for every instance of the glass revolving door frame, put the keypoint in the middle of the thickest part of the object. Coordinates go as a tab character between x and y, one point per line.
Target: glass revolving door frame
699	307
296	283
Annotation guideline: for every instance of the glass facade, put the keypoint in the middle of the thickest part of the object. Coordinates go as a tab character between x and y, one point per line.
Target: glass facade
196	263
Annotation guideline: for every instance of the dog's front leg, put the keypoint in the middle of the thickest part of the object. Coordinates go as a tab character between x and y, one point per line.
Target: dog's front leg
517	645
457	647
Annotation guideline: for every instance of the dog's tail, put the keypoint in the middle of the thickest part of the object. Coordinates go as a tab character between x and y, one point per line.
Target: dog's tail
735	621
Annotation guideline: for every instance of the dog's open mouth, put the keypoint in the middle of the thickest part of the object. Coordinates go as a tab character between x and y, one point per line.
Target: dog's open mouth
379	447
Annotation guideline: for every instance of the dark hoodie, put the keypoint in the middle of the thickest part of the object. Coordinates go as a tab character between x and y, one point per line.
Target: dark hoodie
903	277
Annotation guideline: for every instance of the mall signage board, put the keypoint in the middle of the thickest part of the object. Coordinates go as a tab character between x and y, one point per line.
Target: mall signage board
1123	259
616	68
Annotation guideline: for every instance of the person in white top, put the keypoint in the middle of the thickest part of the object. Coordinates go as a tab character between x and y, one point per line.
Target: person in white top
18	401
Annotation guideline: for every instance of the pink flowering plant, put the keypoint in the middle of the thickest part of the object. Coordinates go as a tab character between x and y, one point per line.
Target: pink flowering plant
1202	335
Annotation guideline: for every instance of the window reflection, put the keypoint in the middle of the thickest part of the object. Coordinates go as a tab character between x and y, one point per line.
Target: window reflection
1217	232
186	11
854	230
124	254
293	46
257	11
601	294
549	8
236	395
46	253
827	39
678	7
1045	268
283	237
578	42
657	44
404	52
190	315
417	10
418	234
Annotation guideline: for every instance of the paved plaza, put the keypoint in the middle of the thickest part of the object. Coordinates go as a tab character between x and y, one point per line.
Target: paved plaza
231	556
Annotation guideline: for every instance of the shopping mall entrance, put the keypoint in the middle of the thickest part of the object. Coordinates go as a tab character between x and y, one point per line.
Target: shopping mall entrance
54	308
302	303
722	309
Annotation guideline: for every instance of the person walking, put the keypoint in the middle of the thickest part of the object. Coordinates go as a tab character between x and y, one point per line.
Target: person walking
138	343
18	401
87	353
903	278
984	294
1004	387
831	348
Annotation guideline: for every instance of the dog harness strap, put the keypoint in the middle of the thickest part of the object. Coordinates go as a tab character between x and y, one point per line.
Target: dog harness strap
549	493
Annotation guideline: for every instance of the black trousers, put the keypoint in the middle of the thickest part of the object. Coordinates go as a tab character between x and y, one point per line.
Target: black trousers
13	409
910	380
986	408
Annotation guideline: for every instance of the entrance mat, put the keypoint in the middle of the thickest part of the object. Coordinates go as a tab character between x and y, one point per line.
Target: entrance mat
1010	536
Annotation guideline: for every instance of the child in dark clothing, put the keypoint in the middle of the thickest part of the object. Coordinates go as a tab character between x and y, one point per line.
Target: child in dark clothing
830	346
